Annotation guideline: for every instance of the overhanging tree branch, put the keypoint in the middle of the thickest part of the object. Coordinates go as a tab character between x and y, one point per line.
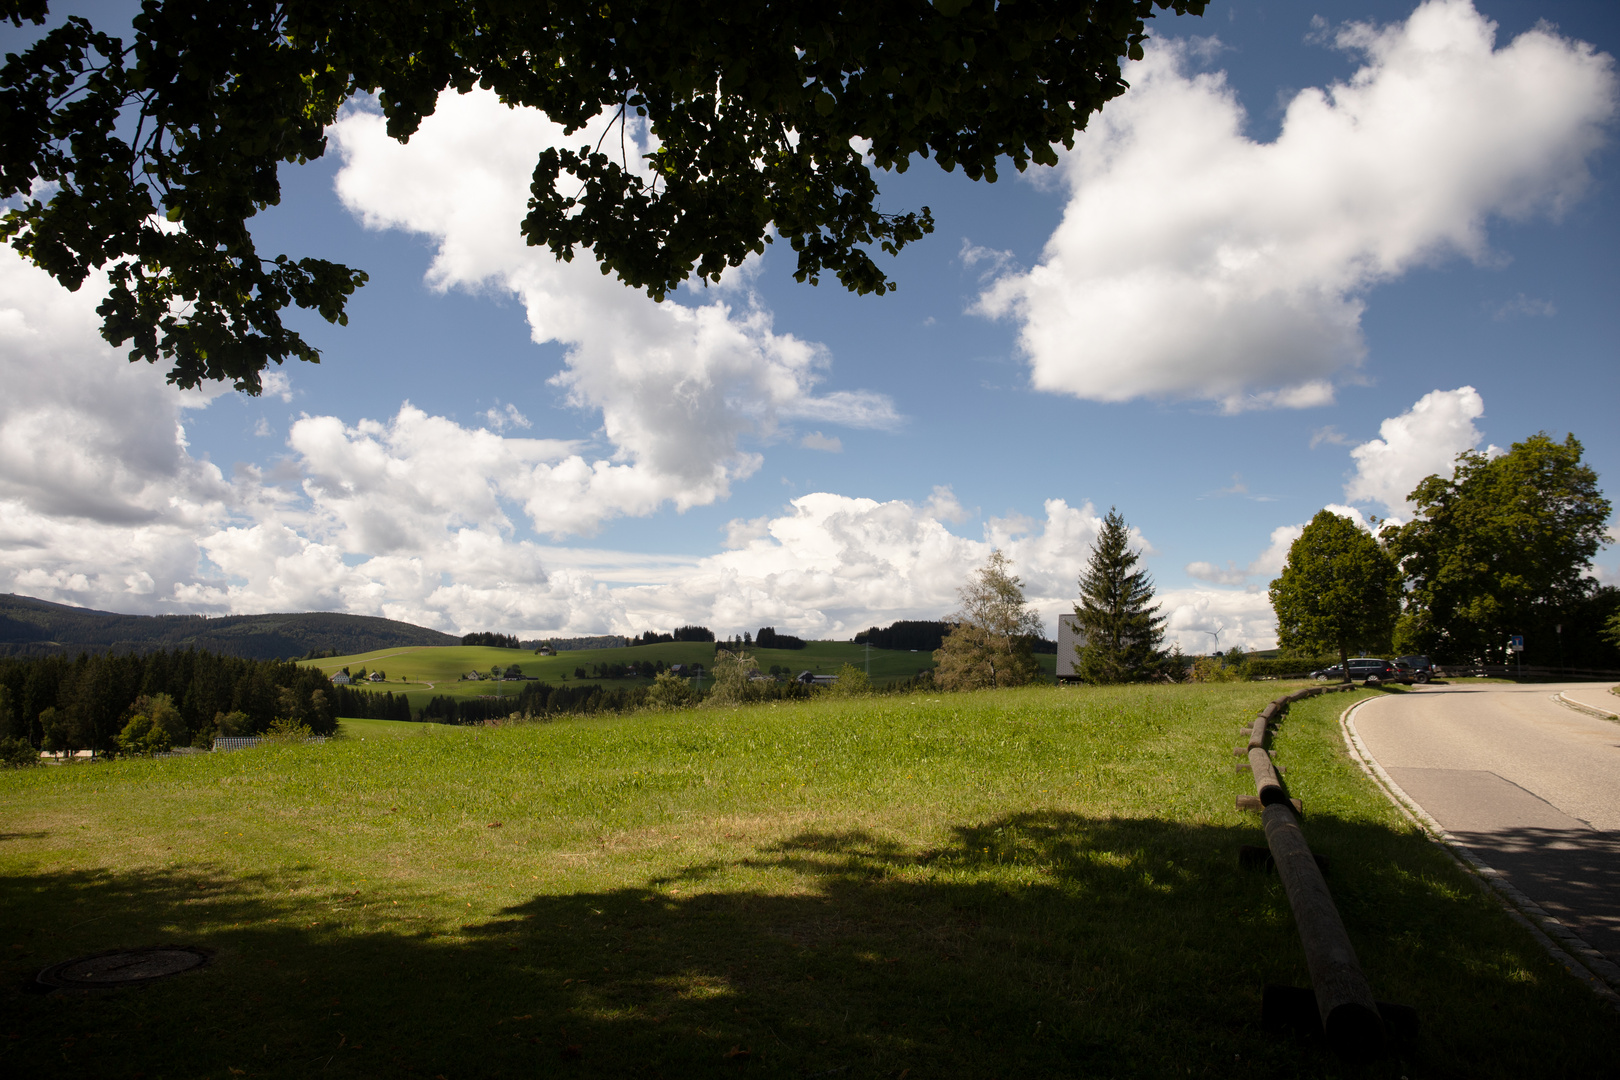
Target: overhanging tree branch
232	92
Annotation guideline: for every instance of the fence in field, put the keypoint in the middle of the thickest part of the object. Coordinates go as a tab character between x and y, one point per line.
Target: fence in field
244	742
1339	1002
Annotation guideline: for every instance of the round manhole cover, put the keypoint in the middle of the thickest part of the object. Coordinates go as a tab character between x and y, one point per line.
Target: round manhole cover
123	967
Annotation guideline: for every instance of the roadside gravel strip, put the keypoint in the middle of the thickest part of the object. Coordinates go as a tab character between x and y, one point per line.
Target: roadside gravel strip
1580	959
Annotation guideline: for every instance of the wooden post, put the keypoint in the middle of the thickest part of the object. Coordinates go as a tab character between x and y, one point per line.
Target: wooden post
1344	1001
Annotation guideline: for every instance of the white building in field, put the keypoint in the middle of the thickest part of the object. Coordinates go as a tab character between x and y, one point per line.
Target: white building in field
1069	636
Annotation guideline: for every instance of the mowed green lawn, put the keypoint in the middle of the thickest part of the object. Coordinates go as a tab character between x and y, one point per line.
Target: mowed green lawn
1026	883
425	672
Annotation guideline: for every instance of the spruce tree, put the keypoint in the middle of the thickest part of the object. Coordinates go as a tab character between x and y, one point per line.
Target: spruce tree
1120	626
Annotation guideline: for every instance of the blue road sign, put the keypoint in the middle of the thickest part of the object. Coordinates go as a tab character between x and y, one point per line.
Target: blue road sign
1516	643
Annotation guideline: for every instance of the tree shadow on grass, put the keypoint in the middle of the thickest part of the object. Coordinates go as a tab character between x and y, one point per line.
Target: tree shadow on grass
1039	944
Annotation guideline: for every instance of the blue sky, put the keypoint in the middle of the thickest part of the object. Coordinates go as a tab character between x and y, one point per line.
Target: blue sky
1239	300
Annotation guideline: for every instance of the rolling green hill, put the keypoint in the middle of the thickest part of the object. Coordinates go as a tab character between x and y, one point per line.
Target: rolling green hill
30	627
422	674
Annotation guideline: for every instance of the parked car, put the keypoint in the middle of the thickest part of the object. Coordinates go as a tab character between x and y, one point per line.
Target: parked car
1422	670
1364	669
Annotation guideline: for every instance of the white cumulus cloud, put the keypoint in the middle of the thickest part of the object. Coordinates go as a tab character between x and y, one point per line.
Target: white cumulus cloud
1193	261
1203	620
684	391
1420	442
831	565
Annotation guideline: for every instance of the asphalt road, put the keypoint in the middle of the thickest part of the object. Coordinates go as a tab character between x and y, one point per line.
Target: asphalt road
1531	785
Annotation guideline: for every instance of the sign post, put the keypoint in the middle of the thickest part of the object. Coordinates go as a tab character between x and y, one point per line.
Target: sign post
1516	643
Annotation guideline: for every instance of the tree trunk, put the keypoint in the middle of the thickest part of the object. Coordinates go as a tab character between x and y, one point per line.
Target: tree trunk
1344	660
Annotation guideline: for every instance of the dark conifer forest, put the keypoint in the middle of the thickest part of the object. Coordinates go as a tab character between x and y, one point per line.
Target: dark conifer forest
83	702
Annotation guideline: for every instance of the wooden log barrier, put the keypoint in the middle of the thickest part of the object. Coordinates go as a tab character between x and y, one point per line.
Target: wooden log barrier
1266	783
1254	857
1252	802
1344	1000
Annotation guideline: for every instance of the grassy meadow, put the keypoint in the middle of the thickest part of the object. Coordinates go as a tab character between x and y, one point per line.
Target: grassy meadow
424	672
1040	882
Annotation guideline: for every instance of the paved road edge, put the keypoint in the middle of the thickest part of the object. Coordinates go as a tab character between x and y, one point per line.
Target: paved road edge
1600	974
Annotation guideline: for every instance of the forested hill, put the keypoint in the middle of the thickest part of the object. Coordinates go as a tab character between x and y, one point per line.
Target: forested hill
30	627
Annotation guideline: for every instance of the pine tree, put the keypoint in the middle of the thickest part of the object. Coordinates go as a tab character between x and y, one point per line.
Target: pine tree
1120	625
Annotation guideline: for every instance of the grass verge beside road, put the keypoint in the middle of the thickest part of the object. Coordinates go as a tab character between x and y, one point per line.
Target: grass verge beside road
1036	882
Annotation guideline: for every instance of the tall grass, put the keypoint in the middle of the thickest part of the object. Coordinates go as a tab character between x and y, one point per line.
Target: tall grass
1036	882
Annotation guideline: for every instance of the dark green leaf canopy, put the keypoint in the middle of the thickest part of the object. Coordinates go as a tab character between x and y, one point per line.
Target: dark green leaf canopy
1501	547
150	158
1338	591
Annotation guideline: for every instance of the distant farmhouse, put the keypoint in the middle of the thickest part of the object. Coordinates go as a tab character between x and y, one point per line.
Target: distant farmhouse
340	679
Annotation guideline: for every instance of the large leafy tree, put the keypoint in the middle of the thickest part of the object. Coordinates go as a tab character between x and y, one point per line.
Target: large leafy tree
149	158
992	636
1120	626
1339	589
1501	547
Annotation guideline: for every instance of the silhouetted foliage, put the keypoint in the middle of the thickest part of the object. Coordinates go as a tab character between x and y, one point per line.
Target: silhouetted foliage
768	638
907	634
535	699
492	641
369	706
601	641
682	633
